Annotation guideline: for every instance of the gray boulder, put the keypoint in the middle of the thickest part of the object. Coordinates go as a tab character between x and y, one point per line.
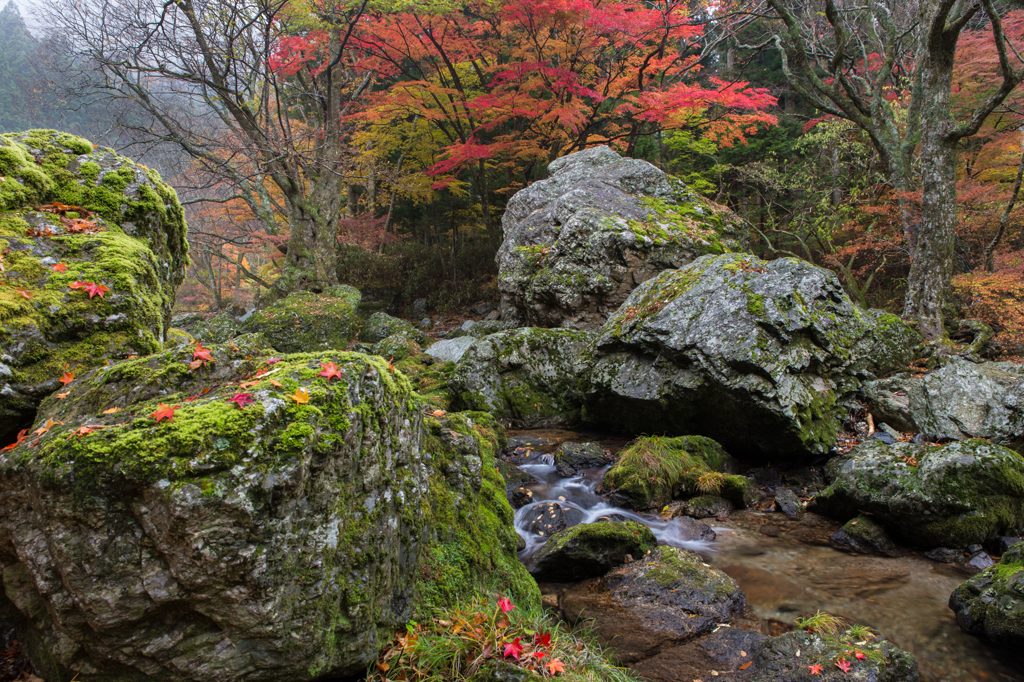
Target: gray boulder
530	377
208	328
959	400
571	458
930	496
861	534
450	350
991	604
589	550
575	245
260	541
381	325
754	354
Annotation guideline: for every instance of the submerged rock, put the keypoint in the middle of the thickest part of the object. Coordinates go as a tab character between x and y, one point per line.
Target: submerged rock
959	400
72	214
530	377
669	597
991	604
590	550
575	245
930	496
268	527
306	321
754	354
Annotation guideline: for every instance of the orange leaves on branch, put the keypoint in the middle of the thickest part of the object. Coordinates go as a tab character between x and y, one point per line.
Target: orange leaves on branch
330	370
164	412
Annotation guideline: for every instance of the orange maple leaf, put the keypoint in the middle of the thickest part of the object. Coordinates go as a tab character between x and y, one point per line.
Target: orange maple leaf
22	435
23	292
50	423
815	669
67	378
555	666
301	396
59	267
164	412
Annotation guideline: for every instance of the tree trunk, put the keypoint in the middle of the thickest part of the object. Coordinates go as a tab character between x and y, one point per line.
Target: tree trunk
931	268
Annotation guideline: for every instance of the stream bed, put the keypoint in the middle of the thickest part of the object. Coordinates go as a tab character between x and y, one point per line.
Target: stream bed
787	569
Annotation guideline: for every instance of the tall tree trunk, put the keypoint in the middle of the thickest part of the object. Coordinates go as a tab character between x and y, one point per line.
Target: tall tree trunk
931	268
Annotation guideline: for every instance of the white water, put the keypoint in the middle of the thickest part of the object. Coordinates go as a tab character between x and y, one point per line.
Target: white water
577	493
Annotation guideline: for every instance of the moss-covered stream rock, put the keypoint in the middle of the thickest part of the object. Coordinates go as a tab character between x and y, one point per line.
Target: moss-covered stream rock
754	354
991	604
72	213
284	534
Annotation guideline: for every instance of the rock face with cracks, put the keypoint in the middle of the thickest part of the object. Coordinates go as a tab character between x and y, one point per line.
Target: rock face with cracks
930	496
754	354
237	540
575	245
98	217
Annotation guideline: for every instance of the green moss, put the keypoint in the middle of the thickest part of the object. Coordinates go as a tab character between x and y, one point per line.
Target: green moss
653	469
306	321
755	304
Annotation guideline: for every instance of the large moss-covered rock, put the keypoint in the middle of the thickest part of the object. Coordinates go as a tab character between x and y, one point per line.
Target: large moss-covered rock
590	550
104	220
991	604
959	400
928	495
216	328
575	245
381	325
306	321
754	354
528	376
281	538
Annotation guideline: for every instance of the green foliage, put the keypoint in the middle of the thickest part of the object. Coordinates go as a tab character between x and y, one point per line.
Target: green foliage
483	636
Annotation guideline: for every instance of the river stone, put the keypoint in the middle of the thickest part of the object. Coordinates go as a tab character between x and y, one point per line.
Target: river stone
705	506
752	353
688	529
786	501
991	604
576	244
589	550
306	321
571	458
450	350
283	540
959	400
530	377
668	597
788	657
381	325
861	534
547	518
138	250
958	494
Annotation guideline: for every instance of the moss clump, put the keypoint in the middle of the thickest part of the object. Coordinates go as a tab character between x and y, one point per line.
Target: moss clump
306	321
590	550
654	469
473	543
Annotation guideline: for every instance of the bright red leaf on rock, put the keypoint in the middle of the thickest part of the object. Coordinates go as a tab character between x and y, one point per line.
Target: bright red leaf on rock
91	287
67	378
815	669
505	605
859	655
843	665
514	649
201	353
241	399
331	371
164	412
22	435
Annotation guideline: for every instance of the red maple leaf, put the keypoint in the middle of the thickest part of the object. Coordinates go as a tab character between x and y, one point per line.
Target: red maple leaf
22	435
67	378
555	666
23	292
77	285
514	649
330	370
164	412
59	267
241	399
843	665
859	655
273	361
543	639
91	287
201	353
505	605
815	669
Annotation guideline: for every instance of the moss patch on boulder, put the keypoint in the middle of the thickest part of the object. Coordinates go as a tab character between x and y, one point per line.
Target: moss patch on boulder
590	550
991	604
306	321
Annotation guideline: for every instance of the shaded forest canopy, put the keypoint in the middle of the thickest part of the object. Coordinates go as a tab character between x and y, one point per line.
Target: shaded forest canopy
437	115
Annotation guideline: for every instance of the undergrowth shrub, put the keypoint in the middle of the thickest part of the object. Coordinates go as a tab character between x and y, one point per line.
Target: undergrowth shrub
484	635
996	298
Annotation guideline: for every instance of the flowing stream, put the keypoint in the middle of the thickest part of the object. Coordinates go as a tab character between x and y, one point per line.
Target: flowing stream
787	569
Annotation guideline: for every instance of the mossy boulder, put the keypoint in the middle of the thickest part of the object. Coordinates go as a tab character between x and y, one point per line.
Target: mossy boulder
861	534
307	321
576	244
216	328
381	325
69	213
282	538
530	377
755	354
590	550
571	458
653	470
929	496
670	596
991	604
789	657
958	400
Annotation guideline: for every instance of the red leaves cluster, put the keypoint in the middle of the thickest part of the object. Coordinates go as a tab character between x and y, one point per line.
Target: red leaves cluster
91	288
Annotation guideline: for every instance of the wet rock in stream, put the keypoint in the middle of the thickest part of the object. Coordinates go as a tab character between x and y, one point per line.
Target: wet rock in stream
551	517
571	458
864	535
790	657
590	550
